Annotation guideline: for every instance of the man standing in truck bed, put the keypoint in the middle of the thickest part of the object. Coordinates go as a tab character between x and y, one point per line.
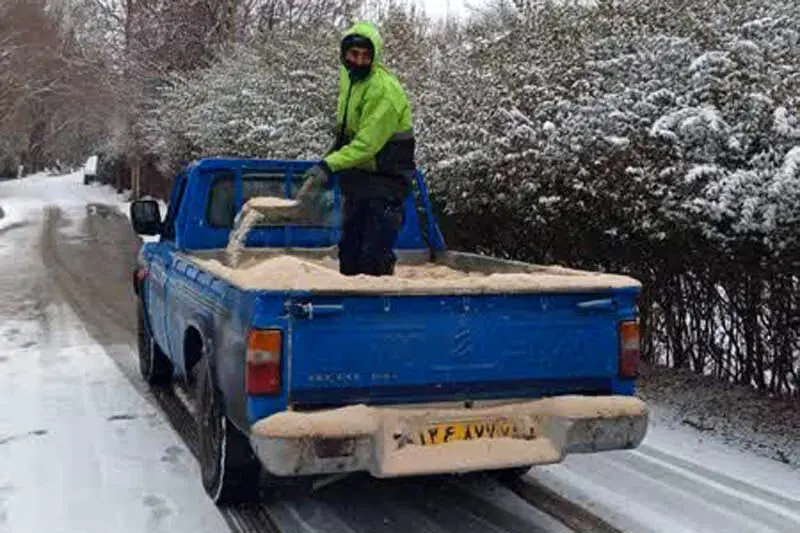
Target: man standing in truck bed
373	155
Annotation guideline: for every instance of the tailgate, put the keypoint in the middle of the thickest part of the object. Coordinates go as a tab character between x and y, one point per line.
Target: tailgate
380	350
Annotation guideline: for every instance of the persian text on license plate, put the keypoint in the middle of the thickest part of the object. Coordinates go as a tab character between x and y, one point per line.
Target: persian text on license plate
456	431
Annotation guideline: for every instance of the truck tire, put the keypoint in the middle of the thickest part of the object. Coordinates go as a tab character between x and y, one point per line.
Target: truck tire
154	366
230	469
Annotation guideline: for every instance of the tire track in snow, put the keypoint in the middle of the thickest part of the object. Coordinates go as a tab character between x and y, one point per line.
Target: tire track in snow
742	487
569	513
12	227
713	494
64	389
628	489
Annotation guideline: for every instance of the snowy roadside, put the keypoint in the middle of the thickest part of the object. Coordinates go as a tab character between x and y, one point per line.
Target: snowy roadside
713	410
24	198
67	191
64	190
81	439
12	213
81	449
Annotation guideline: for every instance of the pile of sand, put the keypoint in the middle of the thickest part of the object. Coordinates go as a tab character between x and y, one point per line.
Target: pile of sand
289	273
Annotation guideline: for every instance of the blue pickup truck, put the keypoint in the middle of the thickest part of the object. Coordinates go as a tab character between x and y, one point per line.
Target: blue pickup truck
458	363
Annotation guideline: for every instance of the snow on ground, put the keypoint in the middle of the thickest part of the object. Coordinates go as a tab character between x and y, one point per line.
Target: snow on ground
24	198
10	215
710	453
734	413
681	481
80	449
66	191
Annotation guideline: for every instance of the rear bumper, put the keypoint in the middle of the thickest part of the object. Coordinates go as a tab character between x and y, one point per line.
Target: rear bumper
379	440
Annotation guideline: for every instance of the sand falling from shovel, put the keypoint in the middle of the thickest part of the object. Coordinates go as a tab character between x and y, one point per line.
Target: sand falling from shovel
236	242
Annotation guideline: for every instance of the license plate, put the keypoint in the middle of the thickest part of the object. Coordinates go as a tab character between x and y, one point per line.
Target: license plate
458	431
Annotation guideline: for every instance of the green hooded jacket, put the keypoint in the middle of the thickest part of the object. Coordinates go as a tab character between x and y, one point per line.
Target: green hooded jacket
378	111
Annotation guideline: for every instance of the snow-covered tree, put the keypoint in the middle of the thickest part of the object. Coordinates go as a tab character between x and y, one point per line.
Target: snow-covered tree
275	101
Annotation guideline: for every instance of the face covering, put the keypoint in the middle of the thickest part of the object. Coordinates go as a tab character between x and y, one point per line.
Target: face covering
357	72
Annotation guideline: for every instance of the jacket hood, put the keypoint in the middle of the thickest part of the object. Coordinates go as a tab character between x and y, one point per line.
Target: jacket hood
368	30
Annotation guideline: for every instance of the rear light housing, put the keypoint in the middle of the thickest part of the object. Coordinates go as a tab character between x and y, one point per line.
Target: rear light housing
263	374
630	349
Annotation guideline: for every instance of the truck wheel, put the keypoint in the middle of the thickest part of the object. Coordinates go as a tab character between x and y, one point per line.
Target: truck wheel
154	366
229	467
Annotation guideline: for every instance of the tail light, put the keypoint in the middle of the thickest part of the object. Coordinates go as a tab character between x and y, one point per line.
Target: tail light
263	375
630	350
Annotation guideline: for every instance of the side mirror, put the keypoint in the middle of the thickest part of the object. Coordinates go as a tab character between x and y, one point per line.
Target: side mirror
146	217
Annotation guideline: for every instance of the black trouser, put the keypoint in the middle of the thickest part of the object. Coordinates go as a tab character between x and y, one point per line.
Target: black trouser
369	230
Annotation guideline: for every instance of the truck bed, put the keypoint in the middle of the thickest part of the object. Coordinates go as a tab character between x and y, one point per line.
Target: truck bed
453	273
465	327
